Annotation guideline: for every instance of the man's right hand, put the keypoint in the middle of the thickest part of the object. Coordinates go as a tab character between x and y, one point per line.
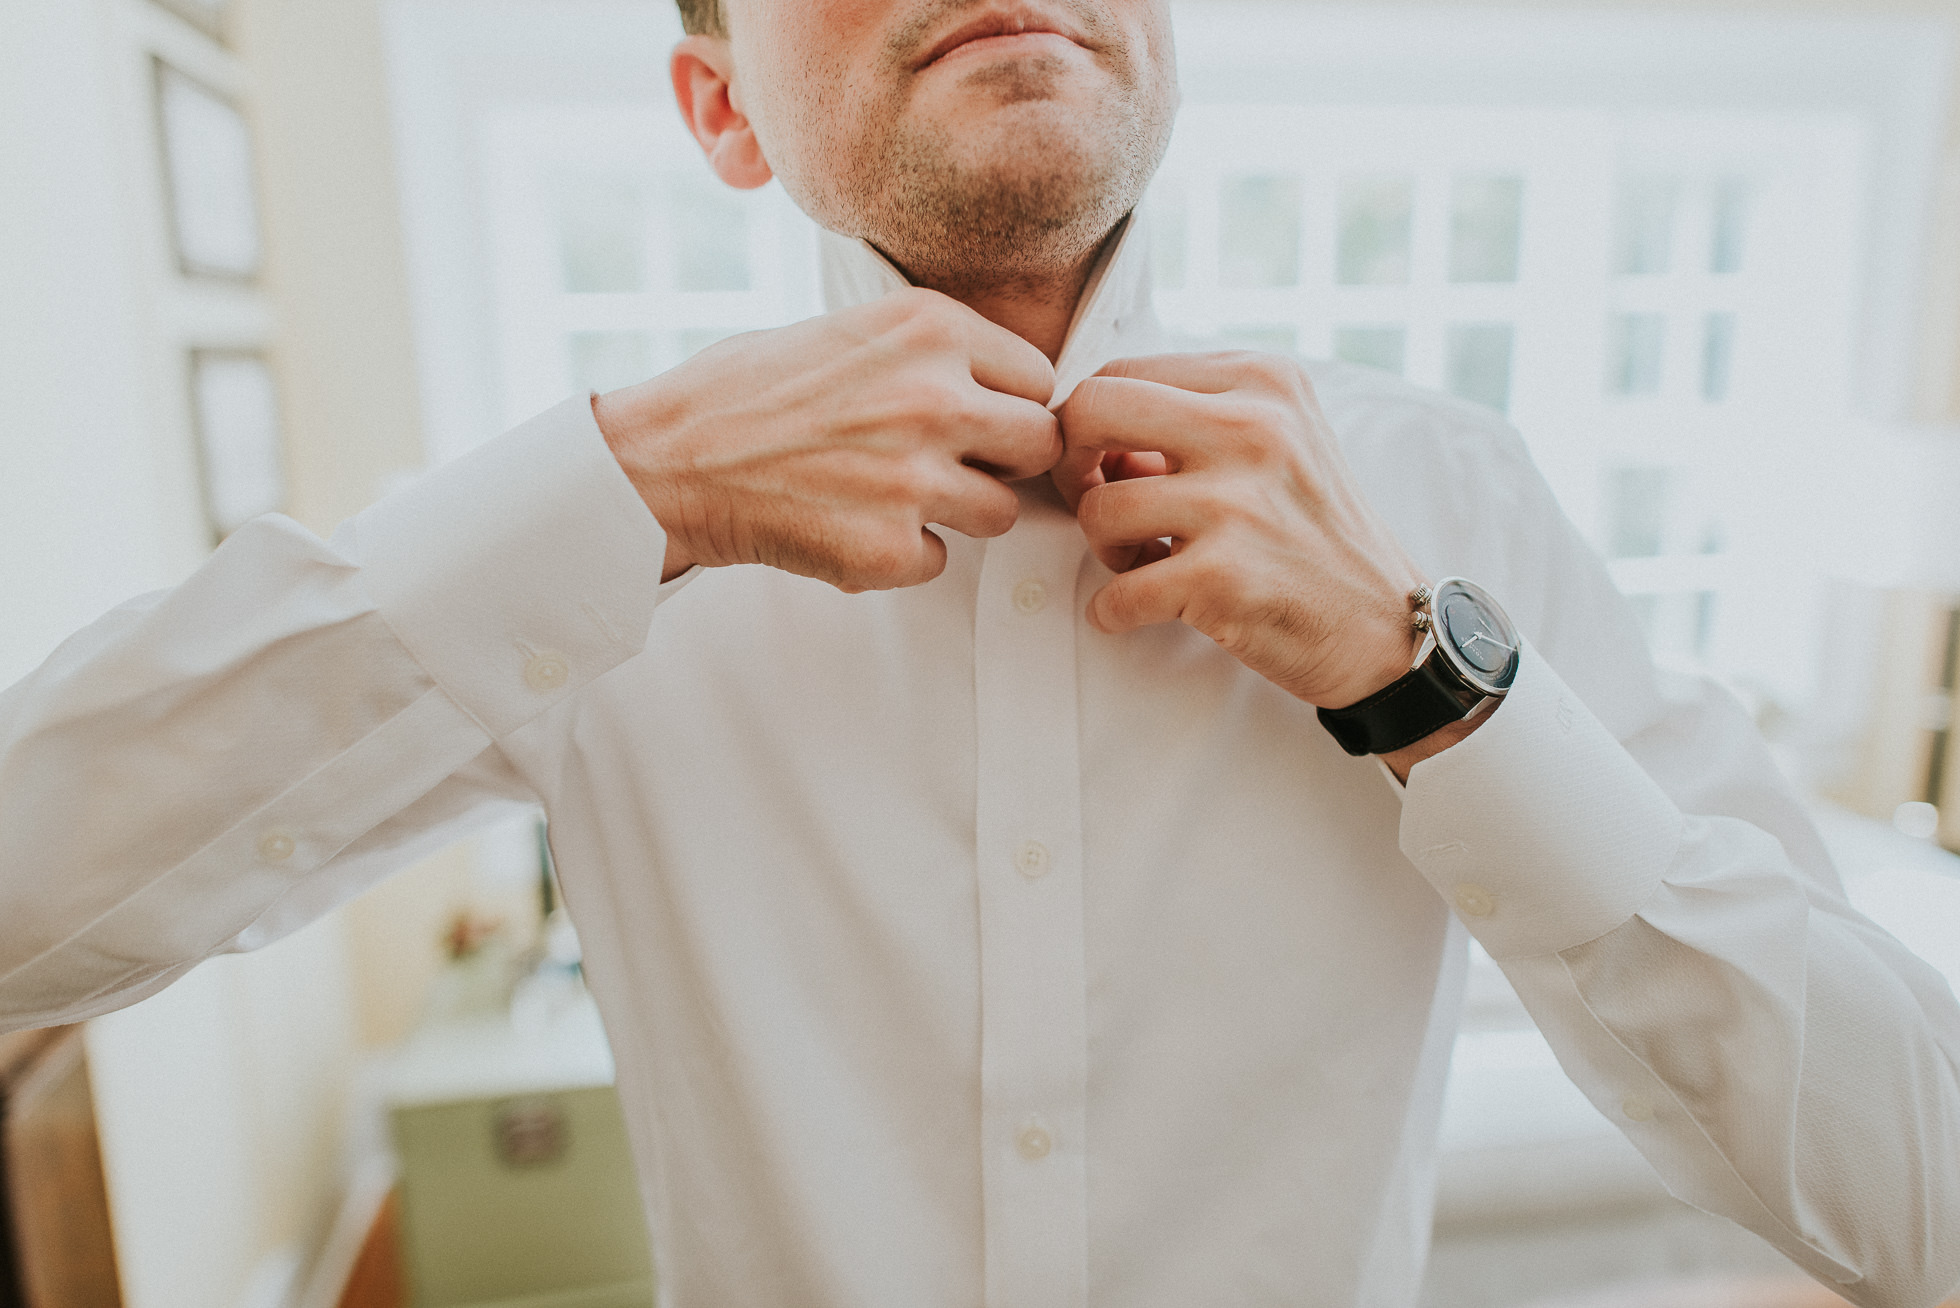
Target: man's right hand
824	448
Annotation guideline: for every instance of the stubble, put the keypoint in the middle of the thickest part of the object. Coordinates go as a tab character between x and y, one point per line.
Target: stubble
1028	193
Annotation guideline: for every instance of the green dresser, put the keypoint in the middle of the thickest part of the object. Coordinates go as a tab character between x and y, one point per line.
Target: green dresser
517	1186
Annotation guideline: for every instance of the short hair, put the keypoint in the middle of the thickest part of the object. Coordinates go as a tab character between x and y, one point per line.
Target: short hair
702	17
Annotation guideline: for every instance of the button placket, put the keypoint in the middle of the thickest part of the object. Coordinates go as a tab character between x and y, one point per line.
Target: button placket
1034	1068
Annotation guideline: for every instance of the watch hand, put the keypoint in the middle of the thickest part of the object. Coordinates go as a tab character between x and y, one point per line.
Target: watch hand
1509	649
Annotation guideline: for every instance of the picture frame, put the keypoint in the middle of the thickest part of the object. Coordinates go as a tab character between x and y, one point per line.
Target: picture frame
239	440
209	179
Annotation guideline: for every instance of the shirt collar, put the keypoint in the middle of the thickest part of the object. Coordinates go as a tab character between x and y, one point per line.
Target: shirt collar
1113	318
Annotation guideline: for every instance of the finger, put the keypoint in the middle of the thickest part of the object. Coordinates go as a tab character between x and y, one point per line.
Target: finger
975	504
1149	508
1009	437
901	560
1128	415
1156	592
1126	558
1127	466
1211	373
1004	362
1080	470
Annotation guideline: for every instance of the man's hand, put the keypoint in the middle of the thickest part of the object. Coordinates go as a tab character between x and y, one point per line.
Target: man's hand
825	448
1272	552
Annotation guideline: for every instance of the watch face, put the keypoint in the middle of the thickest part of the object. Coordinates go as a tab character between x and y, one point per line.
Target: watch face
1477	632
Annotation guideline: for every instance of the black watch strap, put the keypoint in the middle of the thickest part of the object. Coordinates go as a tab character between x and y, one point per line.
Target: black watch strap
1403	712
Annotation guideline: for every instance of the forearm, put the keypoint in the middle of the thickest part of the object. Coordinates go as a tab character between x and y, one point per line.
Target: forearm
159	773
1779	1060
205	768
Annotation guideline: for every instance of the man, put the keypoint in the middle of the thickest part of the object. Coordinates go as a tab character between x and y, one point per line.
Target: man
982	907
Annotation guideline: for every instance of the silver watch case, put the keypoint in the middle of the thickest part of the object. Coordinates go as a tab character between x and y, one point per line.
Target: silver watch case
1489	679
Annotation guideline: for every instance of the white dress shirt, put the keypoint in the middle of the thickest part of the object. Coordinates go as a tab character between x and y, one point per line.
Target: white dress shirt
955	953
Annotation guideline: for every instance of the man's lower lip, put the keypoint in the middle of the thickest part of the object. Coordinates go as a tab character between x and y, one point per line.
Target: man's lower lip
1007	43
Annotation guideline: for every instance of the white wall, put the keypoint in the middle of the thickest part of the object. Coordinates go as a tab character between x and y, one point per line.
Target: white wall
219	1101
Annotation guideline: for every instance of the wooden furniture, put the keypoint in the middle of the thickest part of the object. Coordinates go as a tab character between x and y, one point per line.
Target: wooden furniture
56	1246
376	1278
516	1182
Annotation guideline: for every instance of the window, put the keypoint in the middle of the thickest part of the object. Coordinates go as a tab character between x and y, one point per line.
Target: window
619	254
1376	224
1636	285
1642	294
1259	231
1485	213
1658	278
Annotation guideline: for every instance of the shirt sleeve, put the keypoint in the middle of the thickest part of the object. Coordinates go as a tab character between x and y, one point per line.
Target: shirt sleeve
206	769
1659	898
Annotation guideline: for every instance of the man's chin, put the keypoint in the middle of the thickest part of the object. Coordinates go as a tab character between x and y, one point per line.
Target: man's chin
1030	137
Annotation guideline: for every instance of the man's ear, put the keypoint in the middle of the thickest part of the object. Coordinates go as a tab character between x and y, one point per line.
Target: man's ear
703	69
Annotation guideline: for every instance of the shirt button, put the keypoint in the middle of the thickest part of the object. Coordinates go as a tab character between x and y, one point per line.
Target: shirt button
1032	859
1030	596
1637	1109
1474	900
545	672
1034	1143
275	847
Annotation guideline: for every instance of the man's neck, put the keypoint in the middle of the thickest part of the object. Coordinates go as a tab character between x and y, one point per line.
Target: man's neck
1037	307
1039	314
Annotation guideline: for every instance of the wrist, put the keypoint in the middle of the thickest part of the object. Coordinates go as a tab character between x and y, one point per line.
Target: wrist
1403	760
1379	661
623	417
1469	658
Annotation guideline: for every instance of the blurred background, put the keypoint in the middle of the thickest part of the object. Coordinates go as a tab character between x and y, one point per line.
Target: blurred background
284	254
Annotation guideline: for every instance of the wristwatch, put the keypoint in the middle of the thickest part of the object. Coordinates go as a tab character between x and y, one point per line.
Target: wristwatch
1468	659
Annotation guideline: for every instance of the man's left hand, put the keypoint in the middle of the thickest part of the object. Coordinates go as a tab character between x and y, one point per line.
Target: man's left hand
1272	550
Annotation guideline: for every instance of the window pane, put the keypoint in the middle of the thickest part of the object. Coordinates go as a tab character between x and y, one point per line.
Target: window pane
1730	226
1635	343
711	236
1704	623
1272	340
1485	213
1373	347
1636	512
1377	215
606	361
1167	236
602	230
1717	356
1480	363
1645	240
1259	231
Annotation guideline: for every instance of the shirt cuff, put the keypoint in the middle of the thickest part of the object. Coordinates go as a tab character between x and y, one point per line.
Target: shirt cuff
1538	828
521	571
